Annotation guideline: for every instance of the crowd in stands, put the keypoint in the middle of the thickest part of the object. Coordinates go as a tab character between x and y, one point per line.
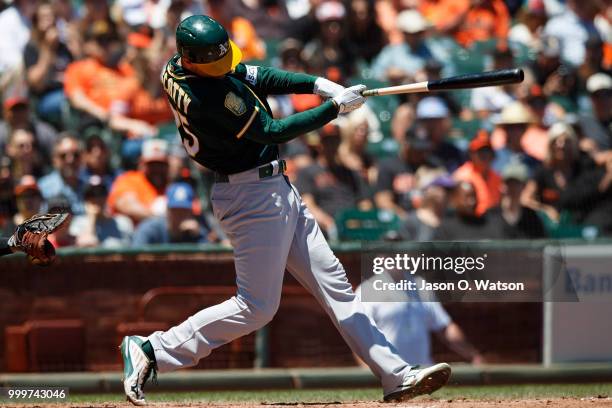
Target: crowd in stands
86	126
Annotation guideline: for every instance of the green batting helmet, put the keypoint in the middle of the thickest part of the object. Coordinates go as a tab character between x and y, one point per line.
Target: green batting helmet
205	46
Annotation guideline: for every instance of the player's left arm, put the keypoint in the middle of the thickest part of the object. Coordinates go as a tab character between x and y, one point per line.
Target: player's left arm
273	81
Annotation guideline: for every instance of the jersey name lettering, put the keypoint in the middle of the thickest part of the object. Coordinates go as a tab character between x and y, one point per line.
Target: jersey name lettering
176	93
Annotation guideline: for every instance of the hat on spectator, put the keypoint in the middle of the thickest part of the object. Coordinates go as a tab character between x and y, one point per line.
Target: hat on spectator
154	150
101	30
480	141
515	170
26	183
432	107
444	181
11	102
515	113
141	37
561	129
599	82
330	10
95	187
180	195
411	22
418	138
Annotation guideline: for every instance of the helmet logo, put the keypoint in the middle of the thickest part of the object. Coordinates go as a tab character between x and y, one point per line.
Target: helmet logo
235	104
223	49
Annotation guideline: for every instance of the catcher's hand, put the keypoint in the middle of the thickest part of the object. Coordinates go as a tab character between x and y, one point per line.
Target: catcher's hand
31	237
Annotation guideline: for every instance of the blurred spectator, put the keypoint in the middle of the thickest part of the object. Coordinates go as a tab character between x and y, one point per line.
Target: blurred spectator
352	150
483	20
478	171
16	114
409	323
97	227
397	62
64	179
46	57
446	15
327	186
329	51
102	85
396	175
240	30
270	17
140	194
511	140
433	114
28	198
153	12
569	181
545	68
574	28
148	103
518	221
363	32
492	99
467	223
26	158
7	197
179	225
14	35
96	160
420	224
531	20
402	120
598	125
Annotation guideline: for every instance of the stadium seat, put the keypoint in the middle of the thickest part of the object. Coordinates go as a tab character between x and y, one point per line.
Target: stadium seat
357	225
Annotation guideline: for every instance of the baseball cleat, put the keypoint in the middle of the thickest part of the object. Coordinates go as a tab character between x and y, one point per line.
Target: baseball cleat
137	368
419	382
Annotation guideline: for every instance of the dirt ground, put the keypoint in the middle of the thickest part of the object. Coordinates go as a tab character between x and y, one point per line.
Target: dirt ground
423	403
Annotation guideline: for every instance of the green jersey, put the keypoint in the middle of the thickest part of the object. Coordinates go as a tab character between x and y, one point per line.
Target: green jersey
226	124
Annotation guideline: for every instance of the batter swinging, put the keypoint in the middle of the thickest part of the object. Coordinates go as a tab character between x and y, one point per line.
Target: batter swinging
225	125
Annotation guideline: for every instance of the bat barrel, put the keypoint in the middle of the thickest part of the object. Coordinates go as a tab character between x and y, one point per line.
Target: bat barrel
491	78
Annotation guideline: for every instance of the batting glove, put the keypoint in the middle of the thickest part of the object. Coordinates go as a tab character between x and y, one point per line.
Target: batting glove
350	99
326	88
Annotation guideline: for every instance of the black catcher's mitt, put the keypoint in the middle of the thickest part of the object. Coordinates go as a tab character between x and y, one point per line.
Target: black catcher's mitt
31	237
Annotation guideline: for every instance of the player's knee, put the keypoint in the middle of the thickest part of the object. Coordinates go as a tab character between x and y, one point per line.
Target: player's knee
260	312
263	314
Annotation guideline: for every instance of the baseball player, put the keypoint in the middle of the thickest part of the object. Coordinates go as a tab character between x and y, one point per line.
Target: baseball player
225	125
31	237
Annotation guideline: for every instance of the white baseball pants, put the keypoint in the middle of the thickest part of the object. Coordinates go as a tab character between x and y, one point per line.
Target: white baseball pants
270	228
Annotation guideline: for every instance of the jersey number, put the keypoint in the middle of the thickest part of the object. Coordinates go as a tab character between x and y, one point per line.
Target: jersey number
190	141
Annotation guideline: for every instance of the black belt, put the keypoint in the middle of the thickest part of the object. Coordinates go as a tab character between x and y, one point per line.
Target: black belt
264	172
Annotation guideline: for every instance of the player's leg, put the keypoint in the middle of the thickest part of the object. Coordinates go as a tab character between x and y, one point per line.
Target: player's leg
315	266
259	223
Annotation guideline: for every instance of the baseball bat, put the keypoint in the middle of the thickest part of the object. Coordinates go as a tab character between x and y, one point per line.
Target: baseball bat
481	79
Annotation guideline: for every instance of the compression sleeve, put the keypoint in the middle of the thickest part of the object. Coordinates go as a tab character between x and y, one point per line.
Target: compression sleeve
267	130
273	81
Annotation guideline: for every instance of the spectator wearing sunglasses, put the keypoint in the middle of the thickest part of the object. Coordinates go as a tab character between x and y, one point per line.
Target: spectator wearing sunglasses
64	179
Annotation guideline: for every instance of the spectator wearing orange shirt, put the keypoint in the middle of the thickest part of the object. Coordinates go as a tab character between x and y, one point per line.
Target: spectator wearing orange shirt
483	20
478	171
102	85
445	15
139	194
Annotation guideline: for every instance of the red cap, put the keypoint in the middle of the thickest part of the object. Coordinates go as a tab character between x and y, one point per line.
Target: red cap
480	141
13	101
27	183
